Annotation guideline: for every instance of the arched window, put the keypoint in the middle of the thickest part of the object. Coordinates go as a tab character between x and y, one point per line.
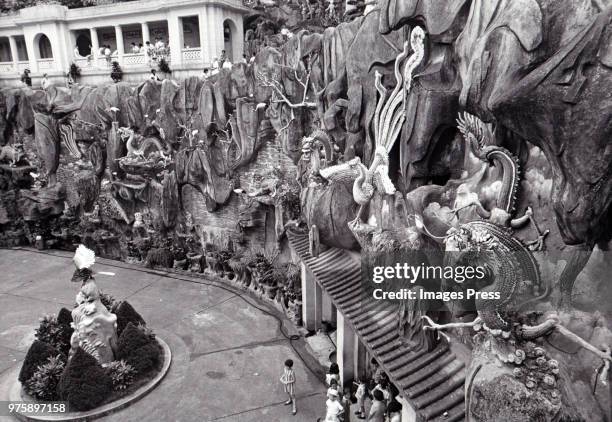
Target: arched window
229	32
84	45
43	47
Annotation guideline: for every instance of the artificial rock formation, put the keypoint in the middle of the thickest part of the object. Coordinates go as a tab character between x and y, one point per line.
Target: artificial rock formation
95	328
499	133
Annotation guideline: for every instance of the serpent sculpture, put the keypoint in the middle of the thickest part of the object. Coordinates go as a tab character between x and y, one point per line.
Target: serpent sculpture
13	153
133	151
513	266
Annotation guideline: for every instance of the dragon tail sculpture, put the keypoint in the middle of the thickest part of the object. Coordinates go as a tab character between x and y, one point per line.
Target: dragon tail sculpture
507	259
480	140
67	135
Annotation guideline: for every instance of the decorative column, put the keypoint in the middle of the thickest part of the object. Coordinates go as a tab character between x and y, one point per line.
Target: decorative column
360	360
318	306
95	44
174	41
31	49
14	52
119	40
329	310
311	313
218	31
214	32
204	48
346	342
145	33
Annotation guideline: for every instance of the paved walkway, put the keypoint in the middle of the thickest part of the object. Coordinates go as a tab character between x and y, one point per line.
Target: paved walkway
227	353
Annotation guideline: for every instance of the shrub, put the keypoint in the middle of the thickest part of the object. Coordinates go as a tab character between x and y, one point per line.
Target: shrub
159	257
43	384
138	349
146	331
116	72
84	383
37	355
145	358
163	66
130	340
64	317
121	374
126	314
56	333
108	301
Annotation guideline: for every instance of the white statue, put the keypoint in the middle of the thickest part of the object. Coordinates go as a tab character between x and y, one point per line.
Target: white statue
95	327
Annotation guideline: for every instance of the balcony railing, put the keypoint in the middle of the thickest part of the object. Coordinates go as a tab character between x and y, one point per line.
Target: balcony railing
192	55
134	59
7	67
46	64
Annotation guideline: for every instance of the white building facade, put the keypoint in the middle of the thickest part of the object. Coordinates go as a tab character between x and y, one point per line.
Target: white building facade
48	38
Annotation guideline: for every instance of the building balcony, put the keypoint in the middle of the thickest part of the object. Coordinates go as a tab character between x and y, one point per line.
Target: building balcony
12	68
45	65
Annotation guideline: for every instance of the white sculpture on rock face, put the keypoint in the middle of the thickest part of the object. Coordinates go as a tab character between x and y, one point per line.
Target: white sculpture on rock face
95	327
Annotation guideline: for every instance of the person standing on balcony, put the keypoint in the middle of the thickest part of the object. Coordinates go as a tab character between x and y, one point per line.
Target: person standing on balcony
135	49
107	54
148	52
77	54
223	58
45	82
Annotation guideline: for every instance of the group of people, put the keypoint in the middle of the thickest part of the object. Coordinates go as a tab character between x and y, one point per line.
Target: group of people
379	390
223	62
151	51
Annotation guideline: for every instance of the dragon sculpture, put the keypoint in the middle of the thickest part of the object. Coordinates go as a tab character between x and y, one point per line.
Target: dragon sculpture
512	268
129	136
13	153
479	138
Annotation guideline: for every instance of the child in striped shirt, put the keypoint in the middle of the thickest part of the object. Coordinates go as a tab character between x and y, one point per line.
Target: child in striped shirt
288	380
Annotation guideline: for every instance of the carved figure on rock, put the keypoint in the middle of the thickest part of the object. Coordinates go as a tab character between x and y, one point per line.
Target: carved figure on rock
512	270
12	153
137	147
95	328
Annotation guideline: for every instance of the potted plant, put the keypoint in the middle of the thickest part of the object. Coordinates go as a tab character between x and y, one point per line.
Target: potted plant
239	266
164	67
116	72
